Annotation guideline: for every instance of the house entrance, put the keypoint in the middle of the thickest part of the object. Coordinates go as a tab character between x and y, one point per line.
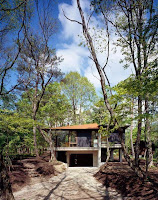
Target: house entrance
61	156
81	160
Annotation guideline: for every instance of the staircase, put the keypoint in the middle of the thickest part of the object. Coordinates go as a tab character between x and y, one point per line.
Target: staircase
30	169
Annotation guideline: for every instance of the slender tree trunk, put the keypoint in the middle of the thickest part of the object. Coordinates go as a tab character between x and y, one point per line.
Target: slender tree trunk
131	131
149	154
52	151
34	112
35	140
137	145
34	131
80	115
135	168
108	151
108	155
131	138
5	185
74	112
48	139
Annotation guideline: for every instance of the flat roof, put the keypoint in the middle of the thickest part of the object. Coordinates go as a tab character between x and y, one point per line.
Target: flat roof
84	126
93	126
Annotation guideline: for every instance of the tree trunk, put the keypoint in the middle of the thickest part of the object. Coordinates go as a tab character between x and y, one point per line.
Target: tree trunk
149	154
80	122
137	145
131	138
5	185
131	131
108	155
52	152
74	112
48	139
34	138
135	168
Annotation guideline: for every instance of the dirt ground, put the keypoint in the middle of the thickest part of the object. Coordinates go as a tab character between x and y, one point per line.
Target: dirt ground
30	171
120	177
74	184
35	179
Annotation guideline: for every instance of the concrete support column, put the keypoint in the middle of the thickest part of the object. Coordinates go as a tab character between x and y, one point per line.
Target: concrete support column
120	155
56	154
68	158
112	154
95	159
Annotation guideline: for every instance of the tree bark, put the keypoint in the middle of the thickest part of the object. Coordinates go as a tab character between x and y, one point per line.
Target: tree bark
149	154
137	145
131	131
48	139
74	111
35	139
5	185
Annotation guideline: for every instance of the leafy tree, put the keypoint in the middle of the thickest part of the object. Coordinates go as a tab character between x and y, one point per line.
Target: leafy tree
14	16
38	62
55	107
52	112
81	94
13	133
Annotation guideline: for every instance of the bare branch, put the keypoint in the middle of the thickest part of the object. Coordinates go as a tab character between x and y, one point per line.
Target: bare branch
12	9
93	53
72	20
16	57
108	44
89	18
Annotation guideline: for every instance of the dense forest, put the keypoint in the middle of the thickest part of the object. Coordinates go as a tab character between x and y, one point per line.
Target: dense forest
36	94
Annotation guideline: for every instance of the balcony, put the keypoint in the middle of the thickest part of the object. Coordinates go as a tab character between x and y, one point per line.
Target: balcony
76	142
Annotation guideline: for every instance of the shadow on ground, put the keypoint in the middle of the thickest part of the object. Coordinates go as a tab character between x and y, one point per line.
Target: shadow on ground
120	177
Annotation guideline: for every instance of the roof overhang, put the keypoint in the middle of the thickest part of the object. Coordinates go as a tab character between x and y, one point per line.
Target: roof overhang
93	126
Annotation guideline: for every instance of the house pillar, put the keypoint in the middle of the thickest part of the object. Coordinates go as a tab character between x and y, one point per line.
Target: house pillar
56	154
95	159
68	158
111	154
120	155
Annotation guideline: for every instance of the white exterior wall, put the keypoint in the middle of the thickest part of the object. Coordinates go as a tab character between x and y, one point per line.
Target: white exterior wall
95	156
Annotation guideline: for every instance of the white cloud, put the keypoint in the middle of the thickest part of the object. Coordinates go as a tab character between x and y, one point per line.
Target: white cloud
92	75
71	30
76	58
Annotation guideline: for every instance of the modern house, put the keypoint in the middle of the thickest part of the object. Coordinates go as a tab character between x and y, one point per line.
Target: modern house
82	145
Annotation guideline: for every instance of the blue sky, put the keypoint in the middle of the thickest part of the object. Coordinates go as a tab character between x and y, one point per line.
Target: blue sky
69	36
75	56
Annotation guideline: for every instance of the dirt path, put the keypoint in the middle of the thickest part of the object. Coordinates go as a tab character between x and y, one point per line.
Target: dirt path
74	184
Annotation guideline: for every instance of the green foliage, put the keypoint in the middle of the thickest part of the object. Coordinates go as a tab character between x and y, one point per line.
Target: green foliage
80	93
100	114
14	131
54	106
7	101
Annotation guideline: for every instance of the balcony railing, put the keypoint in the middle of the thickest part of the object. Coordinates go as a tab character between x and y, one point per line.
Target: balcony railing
74	143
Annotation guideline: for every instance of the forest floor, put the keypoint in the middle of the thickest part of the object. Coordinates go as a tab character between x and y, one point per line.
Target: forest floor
33	170
120	177
38	179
